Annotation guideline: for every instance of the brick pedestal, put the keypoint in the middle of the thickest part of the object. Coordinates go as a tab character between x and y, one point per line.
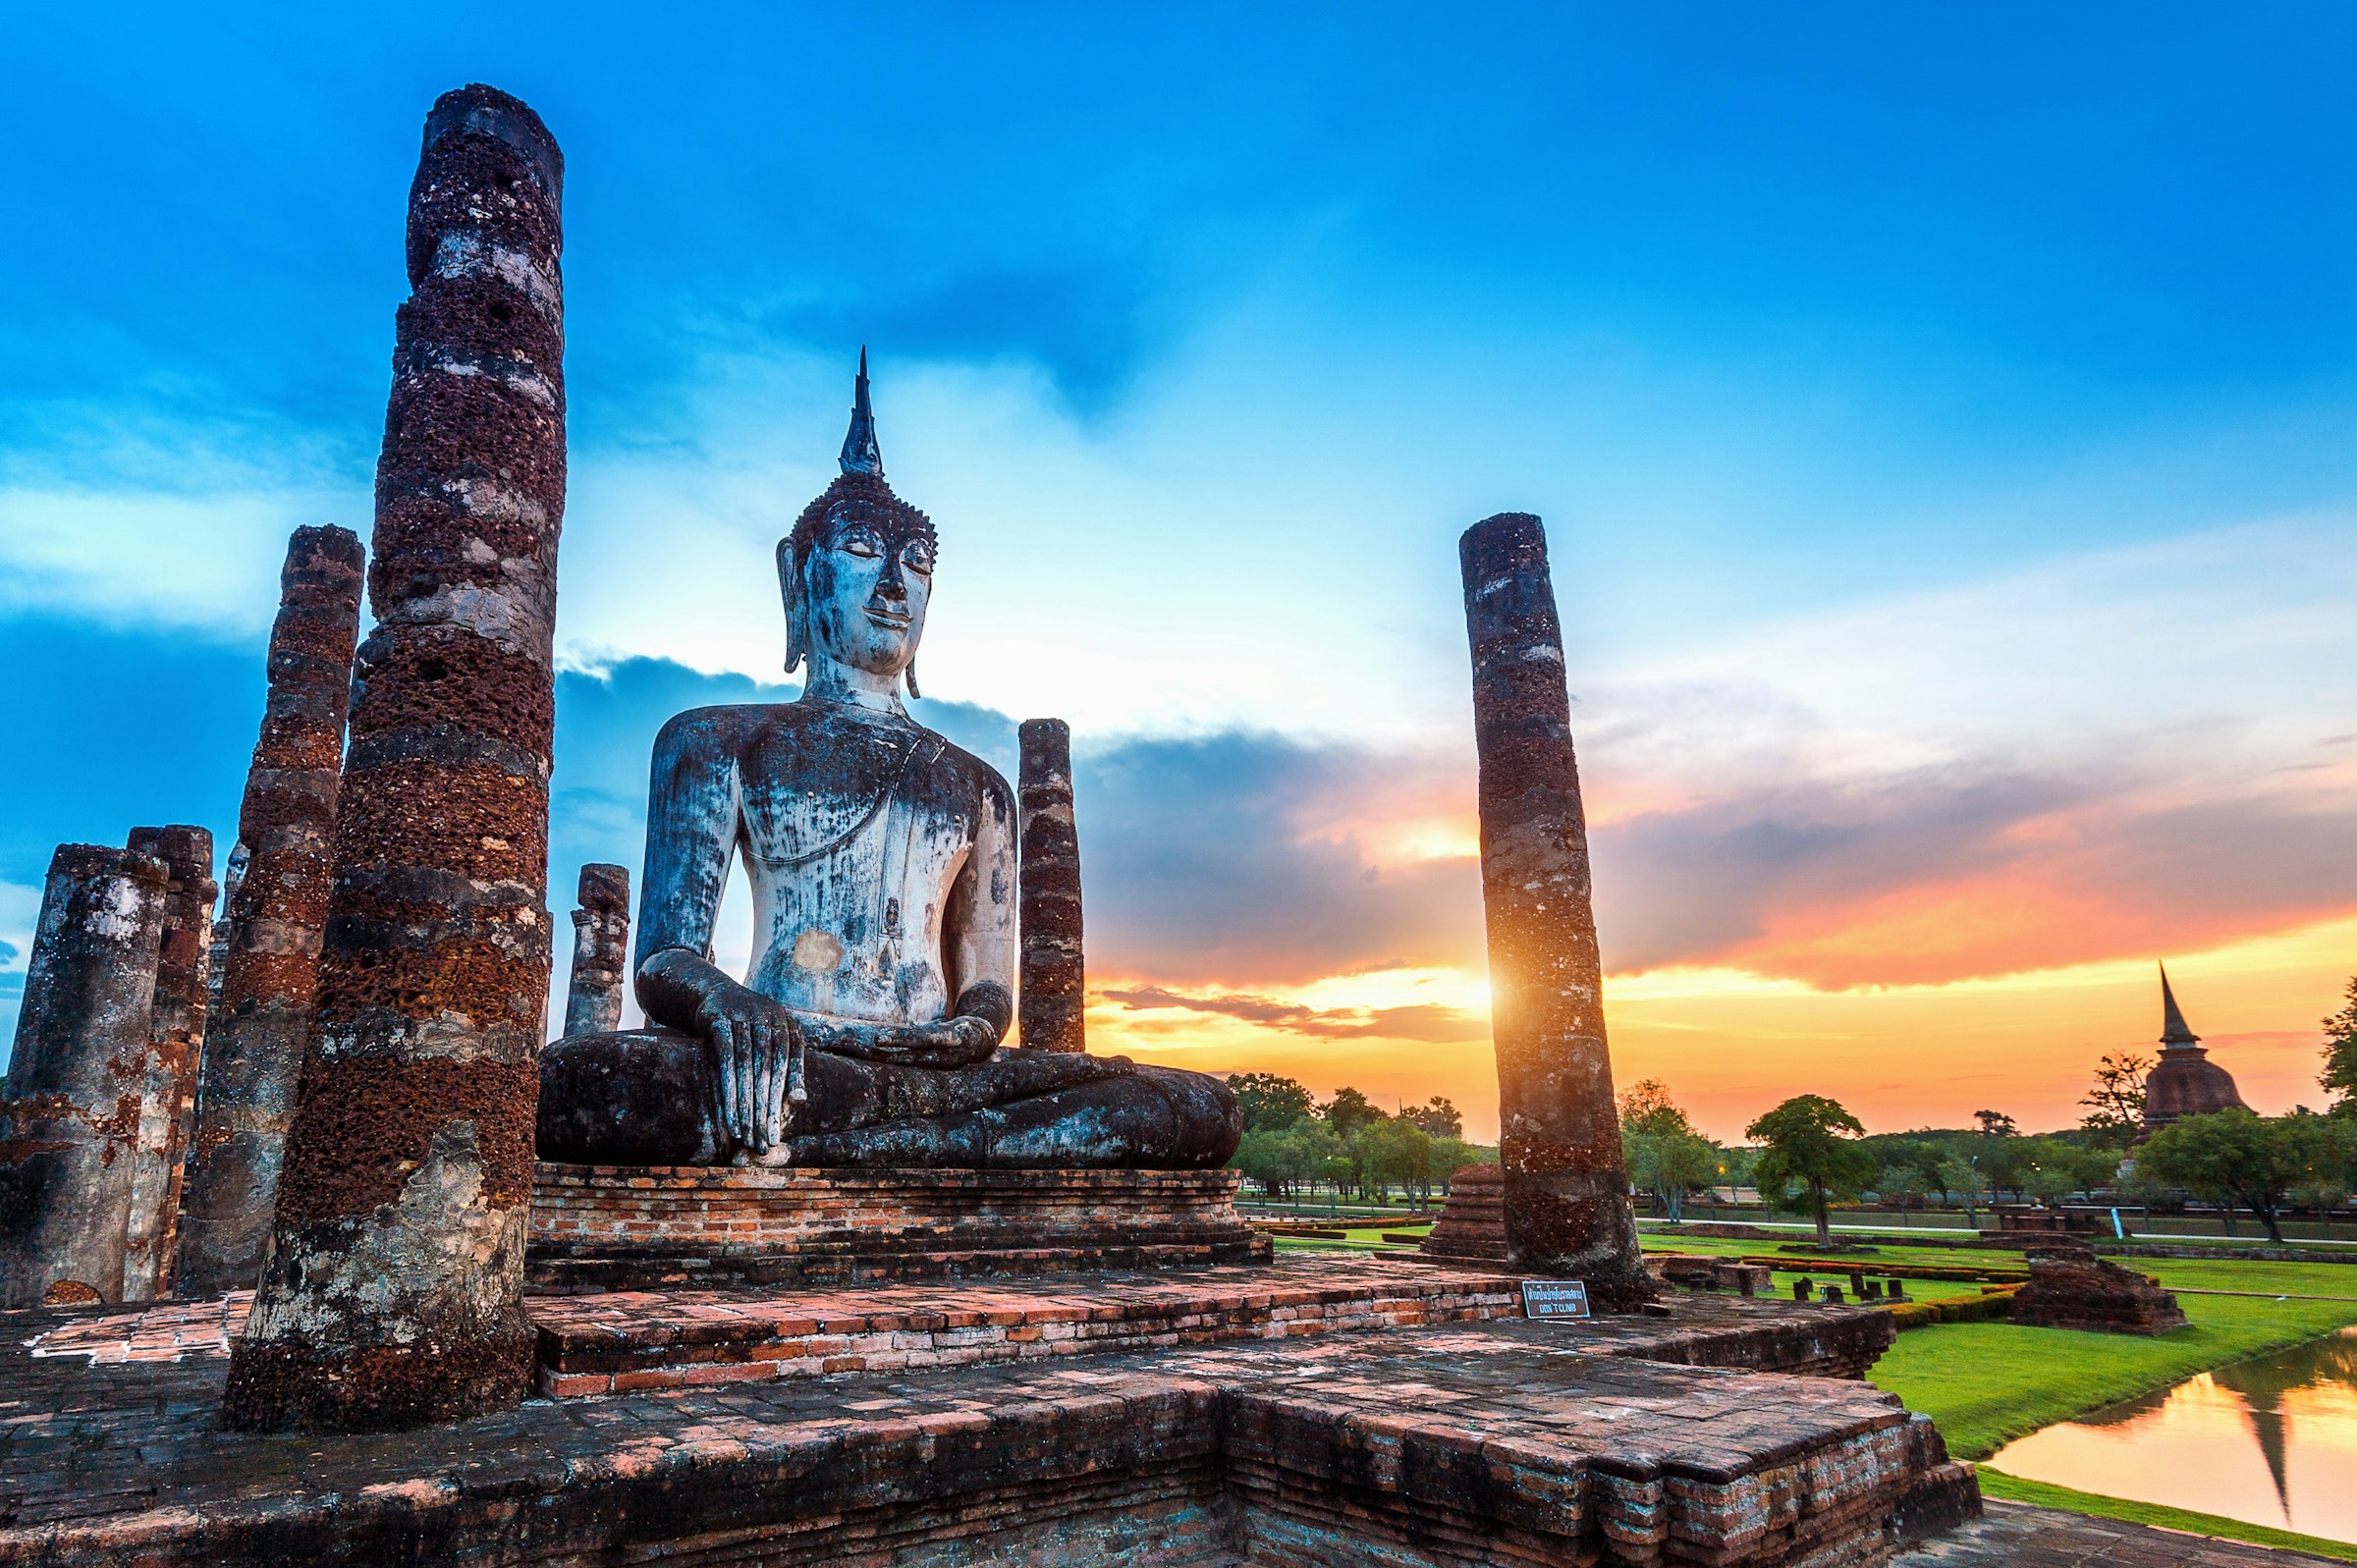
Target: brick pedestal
621	1228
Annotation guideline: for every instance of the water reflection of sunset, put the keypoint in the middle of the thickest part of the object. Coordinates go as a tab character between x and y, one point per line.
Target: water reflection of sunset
2272	1441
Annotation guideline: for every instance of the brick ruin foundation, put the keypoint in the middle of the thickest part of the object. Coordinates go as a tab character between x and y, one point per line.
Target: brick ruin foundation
1472	1223
2070	1287
1328	1411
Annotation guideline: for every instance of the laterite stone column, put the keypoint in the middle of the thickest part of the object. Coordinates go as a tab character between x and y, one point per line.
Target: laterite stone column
275	916
175	1047
1566	1202
393	1293
1053	979
601	946
71	1122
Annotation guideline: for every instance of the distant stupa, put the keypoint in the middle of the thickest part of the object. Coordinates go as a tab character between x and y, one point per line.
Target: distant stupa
2185	1082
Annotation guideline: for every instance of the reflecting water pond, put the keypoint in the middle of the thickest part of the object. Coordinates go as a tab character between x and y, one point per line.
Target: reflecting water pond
2272	1441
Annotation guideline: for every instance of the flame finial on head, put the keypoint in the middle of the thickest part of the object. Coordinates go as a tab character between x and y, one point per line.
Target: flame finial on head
860	455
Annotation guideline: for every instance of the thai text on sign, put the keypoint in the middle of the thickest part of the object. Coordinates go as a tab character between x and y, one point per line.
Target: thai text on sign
1555	1298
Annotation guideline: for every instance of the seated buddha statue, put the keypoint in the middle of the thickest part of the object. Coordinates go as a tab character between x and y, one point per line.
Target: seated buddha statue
881	860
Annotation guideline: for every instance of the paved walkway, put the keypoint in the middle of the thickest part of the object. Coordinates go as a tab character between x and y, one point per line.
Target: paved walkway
2014	1534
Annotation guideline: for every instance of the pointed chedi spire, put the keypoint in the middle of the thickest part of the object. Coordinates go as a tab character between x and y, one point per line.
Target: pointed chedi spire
2172	1022
860	455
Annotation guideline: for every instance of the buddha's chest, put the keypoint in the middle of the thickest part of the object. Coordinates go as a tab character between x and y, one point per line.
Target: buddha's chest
852	843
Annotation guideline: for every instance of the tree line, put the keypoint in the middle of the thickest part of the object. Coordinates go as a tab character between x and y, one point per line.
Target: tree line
1809	1153
1348	1144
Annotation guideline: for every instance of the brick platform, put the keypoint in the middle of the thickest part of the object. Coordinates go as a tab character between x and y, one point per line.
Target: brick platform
1485	1442
626	1341
611	1227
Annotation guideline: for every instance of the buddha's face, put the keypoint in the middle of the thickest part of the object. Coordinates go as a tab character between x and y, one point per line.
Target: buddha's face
867	584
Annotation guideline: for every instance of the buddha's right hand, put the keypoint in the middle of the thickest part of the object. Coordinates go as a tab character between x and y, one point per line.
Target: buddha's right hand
756	1046
757	1057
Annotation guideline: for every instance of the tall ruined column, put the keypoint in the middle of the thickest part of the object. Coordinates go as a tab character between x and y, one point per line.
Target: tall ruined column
176	1045
1566	1194
71	1120
393	1294
275	914
601	946
1054	981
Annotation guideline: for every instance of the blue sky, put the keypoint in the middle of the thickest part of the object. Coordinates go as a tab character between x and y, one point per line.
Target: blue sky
1941	418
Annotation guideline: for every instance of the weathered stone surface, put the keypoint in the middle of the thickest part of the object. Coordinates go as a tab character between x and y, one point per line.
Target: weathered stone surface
608	1227
1566	1201
2070	1287
176	1046
601	951
1482	1442
1054	992
69	1124
392	1294
647	1097
274	918
1472	1223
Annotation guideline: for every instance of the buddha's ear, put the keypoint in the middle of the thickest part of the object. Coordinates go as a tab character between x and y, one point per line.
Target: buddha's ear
790	591
911	674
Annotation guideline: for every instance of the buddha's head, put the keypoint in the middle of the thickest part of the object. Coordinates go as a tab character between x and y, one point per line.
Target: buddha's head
857	571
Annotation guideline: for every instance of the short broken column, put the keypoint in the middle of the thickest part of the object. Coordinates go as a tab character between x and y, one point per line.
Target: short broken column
176	1045
1054	978
393	1291
274	916
601	946
1568	1212
70	1118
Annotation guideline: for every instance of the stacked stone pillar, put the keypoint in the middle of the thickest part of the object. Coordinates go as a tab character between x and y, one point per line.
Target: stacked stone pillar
69	1124
393	1292
175	1047
1568	1212
601	946
275	914
1054	980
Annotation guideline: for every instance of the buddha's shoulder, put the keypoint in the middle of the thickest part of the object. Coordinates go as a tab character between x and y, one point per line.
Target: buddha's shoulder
724	726
978	776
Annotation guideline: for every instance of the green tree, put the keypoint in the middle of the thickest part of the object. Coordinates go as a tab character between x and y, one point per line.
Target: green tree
2238	1156
1398	1150
1348	1111
2115	1101
1439	1118
1646	1106
1668	1165
1995	1125
1269	1101
1961	1177
1810	1159
1664	1155
2340	1056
